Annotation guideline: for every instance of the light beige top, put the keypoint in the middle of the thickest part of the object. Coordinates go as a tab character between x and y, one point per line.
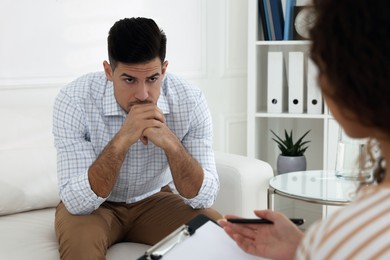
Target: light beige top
360	230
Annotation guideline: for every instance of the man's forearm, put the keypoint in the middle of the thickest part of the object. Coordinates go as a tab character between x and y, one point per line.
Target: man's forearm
103	173
186	172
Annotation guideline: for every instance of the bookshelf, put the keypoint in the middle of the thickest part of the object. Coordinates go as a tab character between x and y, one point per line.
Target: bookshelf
324	129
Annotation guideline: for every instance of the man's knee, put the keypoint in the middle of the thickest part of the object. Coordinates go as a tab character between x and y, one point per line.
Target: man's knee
81	236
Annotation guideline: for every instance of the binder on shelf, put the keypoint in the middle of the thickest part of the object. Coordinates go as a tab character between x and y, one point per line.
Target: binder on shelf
275	86
269	20
263	21
295	82
277	18
314	97
289	19
201	238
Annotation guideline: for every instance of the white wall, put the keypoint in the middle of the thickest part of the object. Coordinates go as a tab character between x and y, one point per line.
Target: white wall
54	41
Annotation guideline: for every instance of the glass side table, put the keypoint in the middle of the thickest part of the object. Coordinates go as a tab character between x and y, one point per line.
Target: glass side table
322	189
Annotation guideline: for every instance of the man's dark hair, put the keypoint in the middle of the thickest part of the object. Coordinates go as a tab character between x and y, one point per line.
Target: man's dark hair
135	40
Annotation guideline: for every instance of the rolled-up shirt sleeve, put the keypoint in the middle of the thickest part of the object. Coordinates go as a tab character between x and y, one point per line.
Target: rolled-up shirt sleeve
198	142
207	193
74	156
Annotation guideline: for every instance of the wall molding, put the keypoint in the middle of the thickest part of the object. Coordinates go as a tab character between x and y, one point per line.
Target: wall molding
229	70
229	121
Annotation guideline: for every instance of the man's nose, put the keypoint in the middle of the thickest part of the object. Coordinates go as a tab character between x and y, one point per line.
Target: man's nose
142	92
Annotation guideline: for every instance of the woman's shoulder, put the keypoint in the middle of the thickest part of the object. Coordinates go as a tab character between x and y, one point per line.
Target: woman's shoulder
351	231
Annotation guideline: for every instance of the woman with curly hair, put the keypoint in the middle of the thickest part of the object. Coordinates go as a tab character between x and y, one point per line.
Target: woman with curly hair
351	47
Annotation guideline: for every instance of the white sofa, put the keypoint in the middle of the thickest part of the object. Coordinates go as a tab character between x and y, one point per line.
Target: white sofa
28	180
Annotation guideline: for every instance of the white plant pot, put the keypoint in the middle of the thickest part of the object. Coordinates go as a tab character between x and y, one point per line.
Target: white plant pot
286	164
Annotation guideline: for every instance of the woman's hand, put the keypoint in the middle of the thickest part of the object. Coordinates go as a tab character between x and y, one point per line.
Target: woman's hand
275	241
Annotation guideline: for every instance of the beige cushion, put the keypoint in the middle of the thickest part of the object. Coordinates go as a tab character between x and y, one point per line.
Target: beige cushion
30	235
28	179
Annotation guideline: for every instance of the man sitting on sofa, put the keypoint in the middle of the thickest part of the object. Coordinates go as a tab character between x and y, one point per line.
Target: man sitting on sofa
134	148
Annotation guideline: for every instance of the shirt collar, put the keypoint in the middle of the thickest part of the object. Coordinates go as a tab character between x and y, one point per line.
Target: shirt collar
162	103
112	108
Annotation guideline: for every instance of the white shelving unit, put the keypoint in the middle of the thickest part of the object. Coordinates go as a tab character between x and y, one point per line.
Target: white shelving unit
324	129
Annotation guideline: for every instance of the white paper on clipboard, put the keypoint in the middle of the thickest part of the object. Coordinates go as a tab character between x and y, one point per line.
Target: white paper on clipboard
209	242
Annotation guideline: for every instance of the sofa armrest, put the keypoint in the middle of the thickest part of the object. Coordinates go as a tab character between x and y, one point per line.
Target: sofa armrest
243	184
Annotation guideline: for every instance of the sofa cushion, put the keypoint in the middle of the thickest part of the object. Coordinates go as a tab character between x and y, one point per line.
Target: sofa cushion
27	179
30	235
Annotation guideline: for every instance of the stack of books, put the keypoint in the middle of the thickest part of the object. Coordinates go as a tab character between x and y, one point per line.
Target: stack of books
276	26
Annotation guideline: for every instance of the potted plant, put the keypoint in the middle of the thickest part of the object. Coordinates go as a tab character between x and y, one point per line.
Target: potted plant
292	154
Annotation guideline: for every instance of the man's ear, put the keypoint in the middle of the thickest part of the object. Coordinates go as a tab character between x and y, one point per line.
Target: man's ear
107	70
164	67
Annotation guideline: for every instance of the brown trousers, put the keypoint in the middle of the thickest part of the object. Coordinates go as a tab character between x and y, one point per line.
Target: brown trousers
147	221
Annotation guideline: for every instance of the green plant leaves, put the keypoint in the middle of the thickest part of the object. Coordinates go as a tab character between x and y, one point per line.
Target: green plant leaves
287	146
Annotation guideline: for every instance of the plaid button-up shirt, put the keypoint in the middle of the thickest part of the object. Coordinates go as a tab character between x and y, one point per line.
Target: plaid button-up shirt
87	116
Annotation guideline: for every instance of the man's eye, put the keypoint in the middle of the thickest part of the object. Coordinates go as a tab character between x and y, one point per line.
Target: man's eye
152	79
129	80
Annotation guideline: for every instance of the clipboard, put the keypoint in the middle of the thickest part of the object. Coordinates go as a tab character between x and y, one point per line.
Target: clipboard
201	238
179	235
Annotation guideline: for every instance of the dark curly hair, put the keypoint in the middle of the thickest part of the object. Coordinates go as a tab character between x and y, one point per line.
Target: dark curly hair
135	40
351	46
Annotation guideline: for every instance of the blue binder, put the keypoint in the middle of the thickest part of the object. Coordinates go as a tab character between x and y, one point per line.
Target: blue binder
267	19
289	19
277	18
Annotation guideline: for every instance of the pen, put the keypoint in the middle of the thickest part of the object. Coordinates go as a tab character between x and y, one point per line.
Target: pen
296	221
